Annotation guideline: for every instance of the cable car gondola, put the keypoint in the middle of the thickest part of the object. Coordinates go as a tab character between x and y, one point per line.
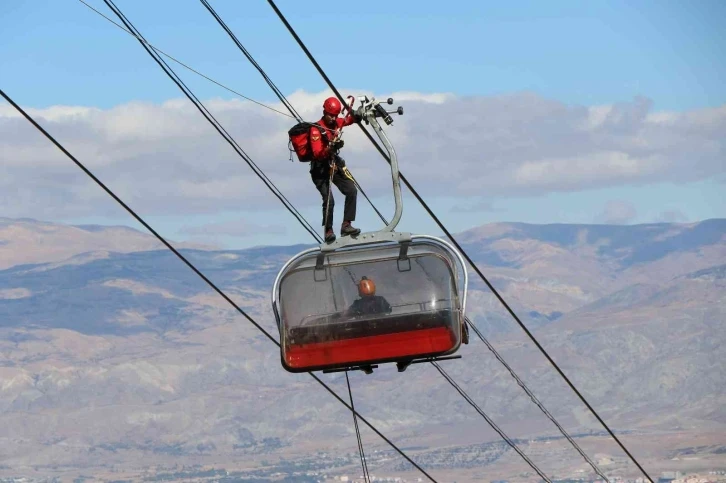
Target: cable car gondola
375	298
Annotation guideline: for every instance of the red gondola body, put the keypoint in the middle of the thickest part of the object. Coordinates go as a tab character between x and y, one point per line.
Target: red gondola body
377	348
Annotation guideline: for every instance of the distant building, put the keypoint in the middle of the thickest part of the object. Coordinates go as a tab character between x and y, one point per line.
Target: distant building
669	476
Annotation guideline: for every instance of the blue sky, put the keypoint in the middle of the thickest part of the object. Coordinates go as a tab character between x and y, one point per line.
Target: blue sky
580	52
575	53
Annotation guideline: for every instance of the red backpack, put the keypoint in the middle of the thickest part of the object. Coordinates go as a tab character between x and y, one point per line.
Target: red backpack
300	141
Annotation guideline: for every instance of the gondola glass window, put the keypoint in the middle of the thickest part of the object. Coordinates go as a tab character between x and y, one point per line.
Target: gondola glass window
326	323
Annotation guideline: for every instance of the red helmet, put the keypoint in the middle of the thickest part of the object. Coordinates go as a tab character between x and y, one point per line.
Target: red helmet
332	106
366	287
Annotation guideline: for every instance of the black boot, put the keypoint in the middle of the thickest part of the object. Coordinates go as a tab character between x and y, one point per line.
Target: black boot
347	229
329	235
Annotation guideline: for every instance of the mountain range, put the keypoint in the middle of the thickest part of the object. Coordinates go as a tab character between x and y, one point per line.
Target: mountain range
117	361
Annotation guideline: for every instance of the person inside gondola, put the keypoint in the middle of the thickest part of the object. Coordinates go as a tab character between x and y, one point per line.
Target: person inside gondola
369	303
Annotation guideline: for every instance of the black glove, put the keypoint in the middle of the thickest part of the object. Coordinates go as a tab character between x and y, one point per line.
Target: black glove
357	117
337	145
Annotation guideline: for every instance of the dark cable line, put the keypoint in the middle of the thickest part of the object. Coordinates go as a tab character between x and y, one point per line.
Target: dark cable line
325	77
380	215
463	252
199	273
363	463
213	121
491	423
274	87
183	64
536	401
390	443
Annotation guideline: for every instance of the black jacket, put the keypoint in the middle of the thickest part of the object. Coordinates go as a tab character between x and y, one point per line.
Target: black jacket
370	305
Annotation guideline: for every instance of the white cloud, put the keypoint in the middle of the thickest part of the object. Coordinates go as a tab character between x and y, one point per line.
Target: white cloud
672	216
474	206
238	228
168	160
617	212
53	113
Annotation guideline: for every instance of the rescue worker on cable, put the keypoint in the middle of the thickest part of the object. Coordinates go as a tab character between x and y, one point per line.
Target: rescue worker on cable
369	303
325	146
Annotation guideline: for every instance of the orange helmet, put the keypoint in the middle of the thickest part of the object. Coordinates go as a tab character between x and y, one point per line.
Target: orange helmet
366	288
332	106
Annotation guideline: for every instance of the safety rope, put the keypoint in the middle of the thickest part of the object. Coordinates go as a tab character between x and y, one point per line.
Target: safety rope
327	198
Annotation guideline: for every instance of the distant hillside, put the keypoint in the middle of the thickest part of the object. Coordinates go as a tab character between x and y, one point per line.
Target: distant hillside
124	358
553	269
31	241
93	293
626	244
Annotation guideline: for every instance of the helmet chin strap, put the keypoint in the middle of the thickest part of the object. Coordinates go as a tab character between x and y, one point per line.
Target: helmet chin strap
349	108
